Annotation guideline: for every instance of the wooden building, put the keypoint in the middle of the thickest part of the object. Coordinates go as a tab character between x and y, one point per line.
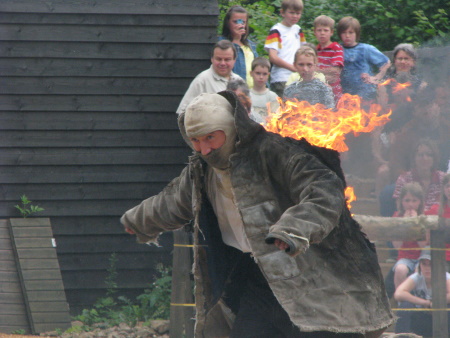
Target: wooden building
88	94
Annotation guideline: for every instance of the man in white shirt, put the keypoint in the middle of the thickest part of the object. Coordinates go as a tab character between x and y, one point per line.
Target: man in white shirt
215	78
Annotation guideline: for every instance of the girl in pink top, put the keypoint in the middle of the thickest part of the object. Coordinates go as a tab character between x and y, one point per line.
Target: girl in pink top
410	204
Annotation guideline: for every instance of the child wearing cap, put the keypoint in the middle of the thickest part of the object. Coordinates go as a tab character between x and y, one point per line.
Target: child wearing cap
415	292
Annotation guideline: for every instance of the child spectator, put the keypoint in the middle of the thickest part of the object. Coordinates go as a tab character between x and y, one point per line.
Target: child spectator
309	89
357	76
240	87
403	70
296	76
424	171
444	211
235	28
284	39
409	204
415	293
330	54
260	94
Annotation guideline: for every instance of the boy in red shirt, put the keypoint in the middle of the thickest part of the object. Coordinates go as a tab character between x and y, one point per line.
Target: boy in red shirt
330	54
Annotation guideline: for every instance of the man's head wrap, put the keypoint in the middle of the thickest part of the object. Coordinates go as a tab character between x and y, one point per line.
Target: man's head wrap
206	114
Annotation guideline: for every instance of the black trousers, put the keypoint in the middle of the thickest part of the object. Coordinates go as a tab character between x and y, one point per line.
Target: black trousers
261	316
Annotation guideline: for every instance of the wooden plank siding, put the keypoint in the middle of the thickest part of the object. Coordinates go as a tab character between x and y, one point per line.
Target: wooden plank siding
88	94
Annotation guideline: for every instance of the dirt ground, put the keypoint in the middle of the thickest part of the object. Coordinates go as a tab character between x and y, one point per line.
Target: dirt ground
3	335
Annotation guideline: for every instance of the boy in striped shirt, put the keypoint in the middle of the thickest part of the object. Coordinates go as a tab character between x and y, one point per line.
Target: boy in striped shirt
330	54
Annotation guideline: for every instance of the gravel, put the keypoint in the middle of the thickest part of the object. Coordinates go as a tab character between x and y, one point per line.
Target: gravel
157	328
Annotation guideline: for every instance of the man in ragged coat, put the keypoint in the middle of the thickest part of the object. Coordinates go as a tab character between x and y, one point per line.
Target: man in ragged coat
276	252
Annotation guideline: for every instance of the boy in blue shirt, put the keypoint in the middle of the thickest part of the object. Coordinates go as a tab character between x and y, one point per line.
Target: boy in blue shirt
357	77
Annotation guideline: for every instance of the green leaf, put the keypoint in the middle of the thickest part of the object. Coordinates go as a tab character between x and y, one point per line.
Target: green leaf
26	210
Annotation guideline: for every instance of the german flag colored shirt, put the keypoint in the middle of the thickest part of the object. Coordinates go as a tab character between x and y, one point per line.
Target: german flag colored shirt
286	41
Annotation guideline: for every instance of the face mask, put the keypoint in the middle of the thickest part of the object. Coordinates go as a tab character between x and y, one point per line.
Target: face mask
208	113
216	159
219	158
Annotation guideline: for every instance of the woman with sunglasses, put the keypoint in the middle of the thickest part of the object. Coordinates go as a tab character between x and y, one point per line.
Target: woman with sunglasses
235	28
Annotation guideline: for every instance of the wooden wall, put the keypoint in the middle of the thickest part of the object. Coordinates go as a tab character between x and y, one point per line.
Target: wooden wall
88	93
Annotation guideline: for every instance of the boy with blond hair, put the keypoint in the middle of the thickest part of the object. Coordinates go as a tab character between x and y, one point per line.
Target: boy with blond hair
357	78
296	76
330	54
309	89
260	94
284	39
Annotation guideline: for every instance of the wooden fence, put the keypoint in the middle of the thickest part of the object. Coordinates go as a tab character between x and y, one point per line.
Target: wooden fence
414	228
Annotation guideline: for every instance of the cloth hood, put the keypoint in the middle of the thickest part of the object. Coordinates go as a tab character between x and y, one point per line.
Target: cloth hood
246	128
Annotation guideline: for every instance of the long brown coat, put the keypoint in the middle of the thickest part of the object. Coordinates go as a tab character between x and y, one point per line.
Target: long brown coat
333	283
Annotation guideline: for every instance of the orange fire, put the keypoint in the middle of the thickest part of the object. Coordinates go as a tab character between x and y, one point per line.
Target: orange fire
349	196
400	86
397	87
325	127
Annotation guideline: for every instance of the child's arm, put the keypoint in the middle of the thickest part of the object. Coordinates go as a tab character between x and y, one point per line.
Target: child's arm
403	293
377	145
382	96
332	73
276	60
448	291
376	78
397	244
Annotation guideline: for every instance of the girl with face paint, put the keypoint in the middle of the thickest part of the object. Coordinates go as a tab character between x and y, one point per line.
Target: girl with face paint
235	28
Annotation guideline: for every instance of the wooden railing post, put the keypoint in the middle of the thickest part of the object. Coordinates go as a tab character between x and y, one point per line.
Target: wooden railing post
182	299
438	281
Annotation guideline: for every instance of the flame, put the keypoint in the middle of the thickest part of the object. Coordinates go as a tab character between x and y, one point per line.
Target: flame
325	127
400	86
397	87
349	196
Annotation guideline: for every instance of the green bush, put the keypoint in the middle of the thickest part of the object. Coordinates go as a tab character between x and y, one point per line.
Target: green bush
154	303
384	23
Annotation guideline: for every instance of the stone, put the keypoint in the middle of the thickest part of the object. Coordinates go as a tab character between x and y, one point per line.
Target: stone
160	326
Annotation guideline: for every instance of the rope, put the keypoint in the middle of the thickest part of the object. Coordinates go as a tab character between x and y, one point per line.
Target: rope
187	245
420	249
420	309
